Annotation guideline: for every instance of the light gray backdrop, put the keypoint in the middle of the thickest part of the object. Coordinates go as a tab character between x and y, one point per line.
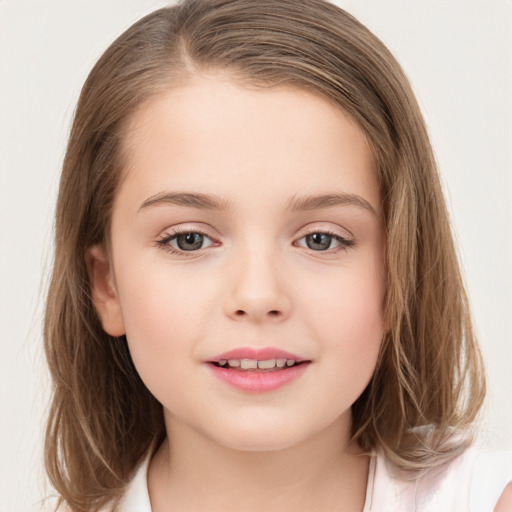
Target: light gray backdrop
457	54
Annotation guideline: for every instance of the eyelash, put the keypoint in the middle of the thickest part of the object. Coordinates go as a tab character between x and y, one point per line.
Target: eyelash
345	243
163	242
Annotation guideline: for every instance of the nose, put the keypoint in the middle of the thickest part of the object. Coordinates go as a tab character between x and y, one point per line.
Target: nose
257	288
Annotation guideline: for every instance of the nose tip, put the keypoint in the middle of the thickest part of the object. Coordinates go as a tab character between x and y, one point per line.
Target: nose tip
257	291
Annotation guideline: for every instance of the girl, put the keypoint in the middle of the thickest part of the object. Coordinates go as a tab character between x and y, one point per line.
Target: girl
256	303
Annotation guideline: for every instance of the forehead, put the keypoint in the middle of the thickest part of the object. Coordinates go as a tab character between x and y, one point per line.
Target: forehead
215	133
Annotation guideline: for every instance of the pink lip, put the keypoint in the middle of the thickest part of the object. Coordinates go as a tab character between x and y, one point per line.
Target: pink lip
261	354
255	381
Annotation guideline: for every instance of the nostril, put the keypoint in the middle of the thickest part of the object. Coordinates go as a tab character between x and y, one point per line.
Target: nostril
241	313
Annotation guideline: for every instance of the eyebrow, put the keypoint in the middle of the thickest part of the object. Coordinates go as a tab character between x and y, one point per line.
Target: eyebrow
191	200
213	202
305	203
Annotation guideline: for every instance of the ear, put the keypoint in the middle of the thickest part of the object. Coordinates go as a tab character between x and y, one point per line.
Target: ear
103	291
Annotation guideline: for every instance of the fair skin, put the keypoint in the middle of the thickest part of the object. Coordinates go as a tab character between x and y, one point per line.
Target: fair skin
261	268
254	283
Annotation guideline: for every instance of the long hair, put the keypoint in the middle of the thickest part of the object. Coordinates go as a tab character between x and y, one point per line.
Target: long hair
428	383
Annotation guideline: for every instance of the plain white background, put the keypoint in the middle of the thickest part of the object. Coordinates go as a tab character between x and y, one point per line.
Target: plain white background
457	55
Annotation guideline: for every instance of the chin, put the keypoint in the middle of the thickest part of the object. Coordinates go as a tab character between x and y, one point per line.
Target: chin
258	443
259	436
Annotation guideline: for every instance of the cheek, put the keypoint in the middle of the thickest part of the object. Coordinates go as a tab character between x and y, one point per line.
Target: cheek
165	315
350	304
162	330
345	315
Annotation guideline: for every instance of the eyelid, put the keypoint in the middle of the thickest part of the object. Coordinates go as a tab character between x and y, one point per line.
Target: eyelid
345	241
328	228
322	228
171	233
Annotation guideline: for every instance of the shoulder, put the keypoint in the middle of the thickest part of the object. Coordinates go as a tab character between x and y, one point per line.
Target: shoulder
505	502
473	481
491	478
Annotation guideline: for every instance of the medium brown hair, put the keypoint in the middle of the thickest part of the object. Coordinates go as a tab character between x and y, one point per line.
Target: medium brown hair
428	383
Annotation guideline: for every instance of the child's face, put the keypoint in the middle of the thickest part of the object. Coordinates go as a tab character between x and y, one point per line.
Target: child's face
253	272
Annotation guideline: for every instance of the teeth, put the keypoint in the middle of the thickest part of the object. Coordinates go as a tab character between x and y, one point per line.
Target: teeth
271	363
253	364
249	364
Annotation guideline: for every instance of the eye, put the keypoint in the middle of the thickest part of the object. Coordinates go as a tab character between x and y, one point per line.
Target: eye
185	241
324	241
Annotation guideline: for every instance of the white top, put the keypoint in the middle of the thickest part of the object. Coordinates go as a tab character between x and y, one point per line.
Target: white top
472	482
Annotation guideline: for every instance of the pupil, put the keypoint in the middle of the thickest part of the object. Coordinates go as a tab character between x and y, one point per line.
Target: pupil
189	241
318	241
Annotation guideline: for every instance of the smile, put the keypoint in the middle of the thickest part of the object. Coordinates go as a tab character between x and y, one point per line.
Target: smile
253	364
257	370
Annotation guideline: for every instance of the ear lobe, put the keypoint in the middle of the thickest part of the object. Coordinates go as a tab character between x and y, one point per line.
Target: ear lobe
103	291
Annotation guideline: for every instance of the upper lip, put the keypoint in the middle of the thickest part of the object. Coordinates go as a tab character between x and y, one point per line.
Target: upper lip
258	354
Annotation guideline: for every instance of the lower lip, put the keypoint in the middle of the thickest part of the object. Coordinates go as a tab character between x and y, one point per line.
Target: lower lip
258	382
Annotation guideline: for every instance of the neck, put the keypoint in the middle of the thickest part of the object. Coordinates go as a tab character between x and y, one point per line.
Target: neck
191	472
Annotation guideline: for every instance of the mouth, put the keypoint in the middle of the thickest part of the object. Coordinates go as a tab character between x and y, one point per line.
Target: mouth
255	365
257	370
